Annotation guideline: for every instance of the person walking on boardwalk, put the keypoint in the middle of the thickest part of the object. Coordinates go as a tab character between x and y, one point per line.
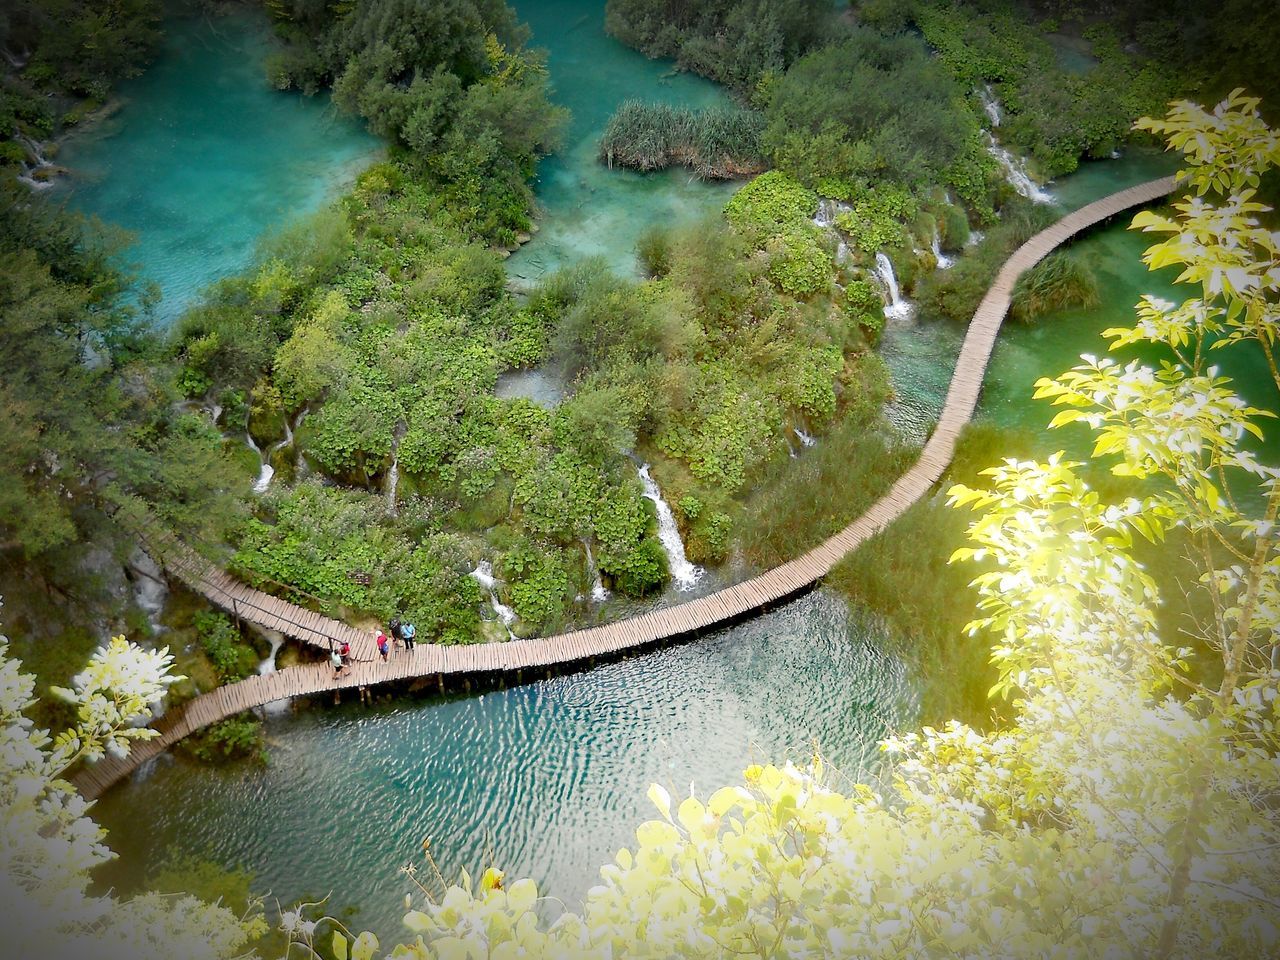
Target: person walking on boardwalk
407	633
393	628
345	652
384	646
335	658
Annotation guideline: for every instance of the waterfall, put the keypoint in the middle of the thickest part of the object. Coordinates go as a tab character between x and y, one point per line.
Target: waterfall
268	666
944	262
842	252
898	308
975	238
276	639
393	482
1016	173
990	104
828	210
393	474
265	471
483	574
804	438
150	591
684	573
598	592
38	162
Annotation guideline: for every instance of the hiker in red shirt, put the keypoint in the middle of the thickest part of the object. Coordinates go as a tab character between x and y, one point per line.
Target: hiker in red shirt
383	646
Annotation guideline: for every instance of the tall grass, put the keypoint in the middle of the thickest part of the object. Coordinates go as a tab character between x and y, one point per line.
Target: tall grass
903	574
1060	281
803	501
716	143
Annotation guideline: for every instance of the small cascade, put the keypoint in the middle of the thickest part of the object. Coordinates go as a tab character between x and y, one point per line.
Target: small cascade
683	573
1016	173
265	471
828	210
803	437
599	593
897	308
975	238
38	162
990	104
150	590
268	666
393	474
483	574
842	253
944	262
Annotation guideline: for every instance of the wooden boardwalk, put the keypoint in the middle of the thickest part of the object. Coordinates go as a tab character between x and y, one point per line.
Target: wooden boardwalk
704	613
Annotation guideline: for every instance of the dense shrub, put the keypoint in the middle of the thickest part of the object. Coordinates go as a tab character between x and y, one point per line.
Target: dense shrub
736	42
872	107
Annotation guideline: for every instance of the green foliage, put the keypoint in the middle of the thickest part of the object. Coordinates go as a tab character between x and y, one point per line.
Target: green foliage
716	142
736	42
956	293
876	219
771	202
1061	281
450	81
798	264
231	656
236	738
872	108
653	248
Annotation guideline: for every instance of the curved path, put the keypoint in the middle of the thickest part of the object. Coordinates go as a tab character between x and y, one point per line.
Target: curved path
704	613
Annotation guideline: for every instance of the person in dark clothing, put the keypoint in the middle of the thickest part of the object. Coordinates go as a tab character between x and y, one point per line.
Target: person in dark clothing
393	628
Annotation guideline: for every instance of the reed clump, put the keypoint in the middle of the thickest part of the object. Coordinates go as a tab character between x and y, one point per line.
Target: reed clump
1061	281
718	143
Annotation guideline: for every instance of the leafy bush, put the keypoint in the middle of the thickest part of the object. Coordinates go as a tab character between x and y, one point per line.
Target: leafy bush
769	203
798	264
232	658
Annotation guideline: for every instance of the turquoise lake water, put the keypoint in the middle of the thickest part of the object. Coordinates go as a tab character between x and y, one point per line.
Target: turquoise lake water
591	210
203	157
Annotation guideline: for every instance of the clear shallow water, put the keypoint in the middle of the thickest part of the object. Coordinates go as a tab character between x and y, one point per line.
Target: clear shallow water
921	353
550	776
589	209
203	157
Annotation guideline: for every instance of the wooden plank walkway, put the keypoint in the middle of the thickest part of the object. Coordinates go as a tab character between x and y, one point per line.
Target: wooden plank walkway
704	613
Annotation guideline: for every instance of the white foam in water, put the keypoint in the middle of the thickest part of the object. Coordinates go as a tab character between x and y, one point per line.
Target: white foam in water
805	438
268	666
1016	174
944	262
683	573
897	308
265	473
990	104
598	591
483	574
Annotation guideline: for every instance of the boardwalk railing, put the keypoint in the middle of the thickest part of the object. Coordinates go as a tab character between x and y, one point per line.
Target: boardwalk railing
704	613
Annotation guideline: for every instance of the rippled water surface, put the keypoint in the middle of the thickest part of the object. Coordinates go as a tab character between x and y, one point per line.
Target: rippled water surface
550	776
